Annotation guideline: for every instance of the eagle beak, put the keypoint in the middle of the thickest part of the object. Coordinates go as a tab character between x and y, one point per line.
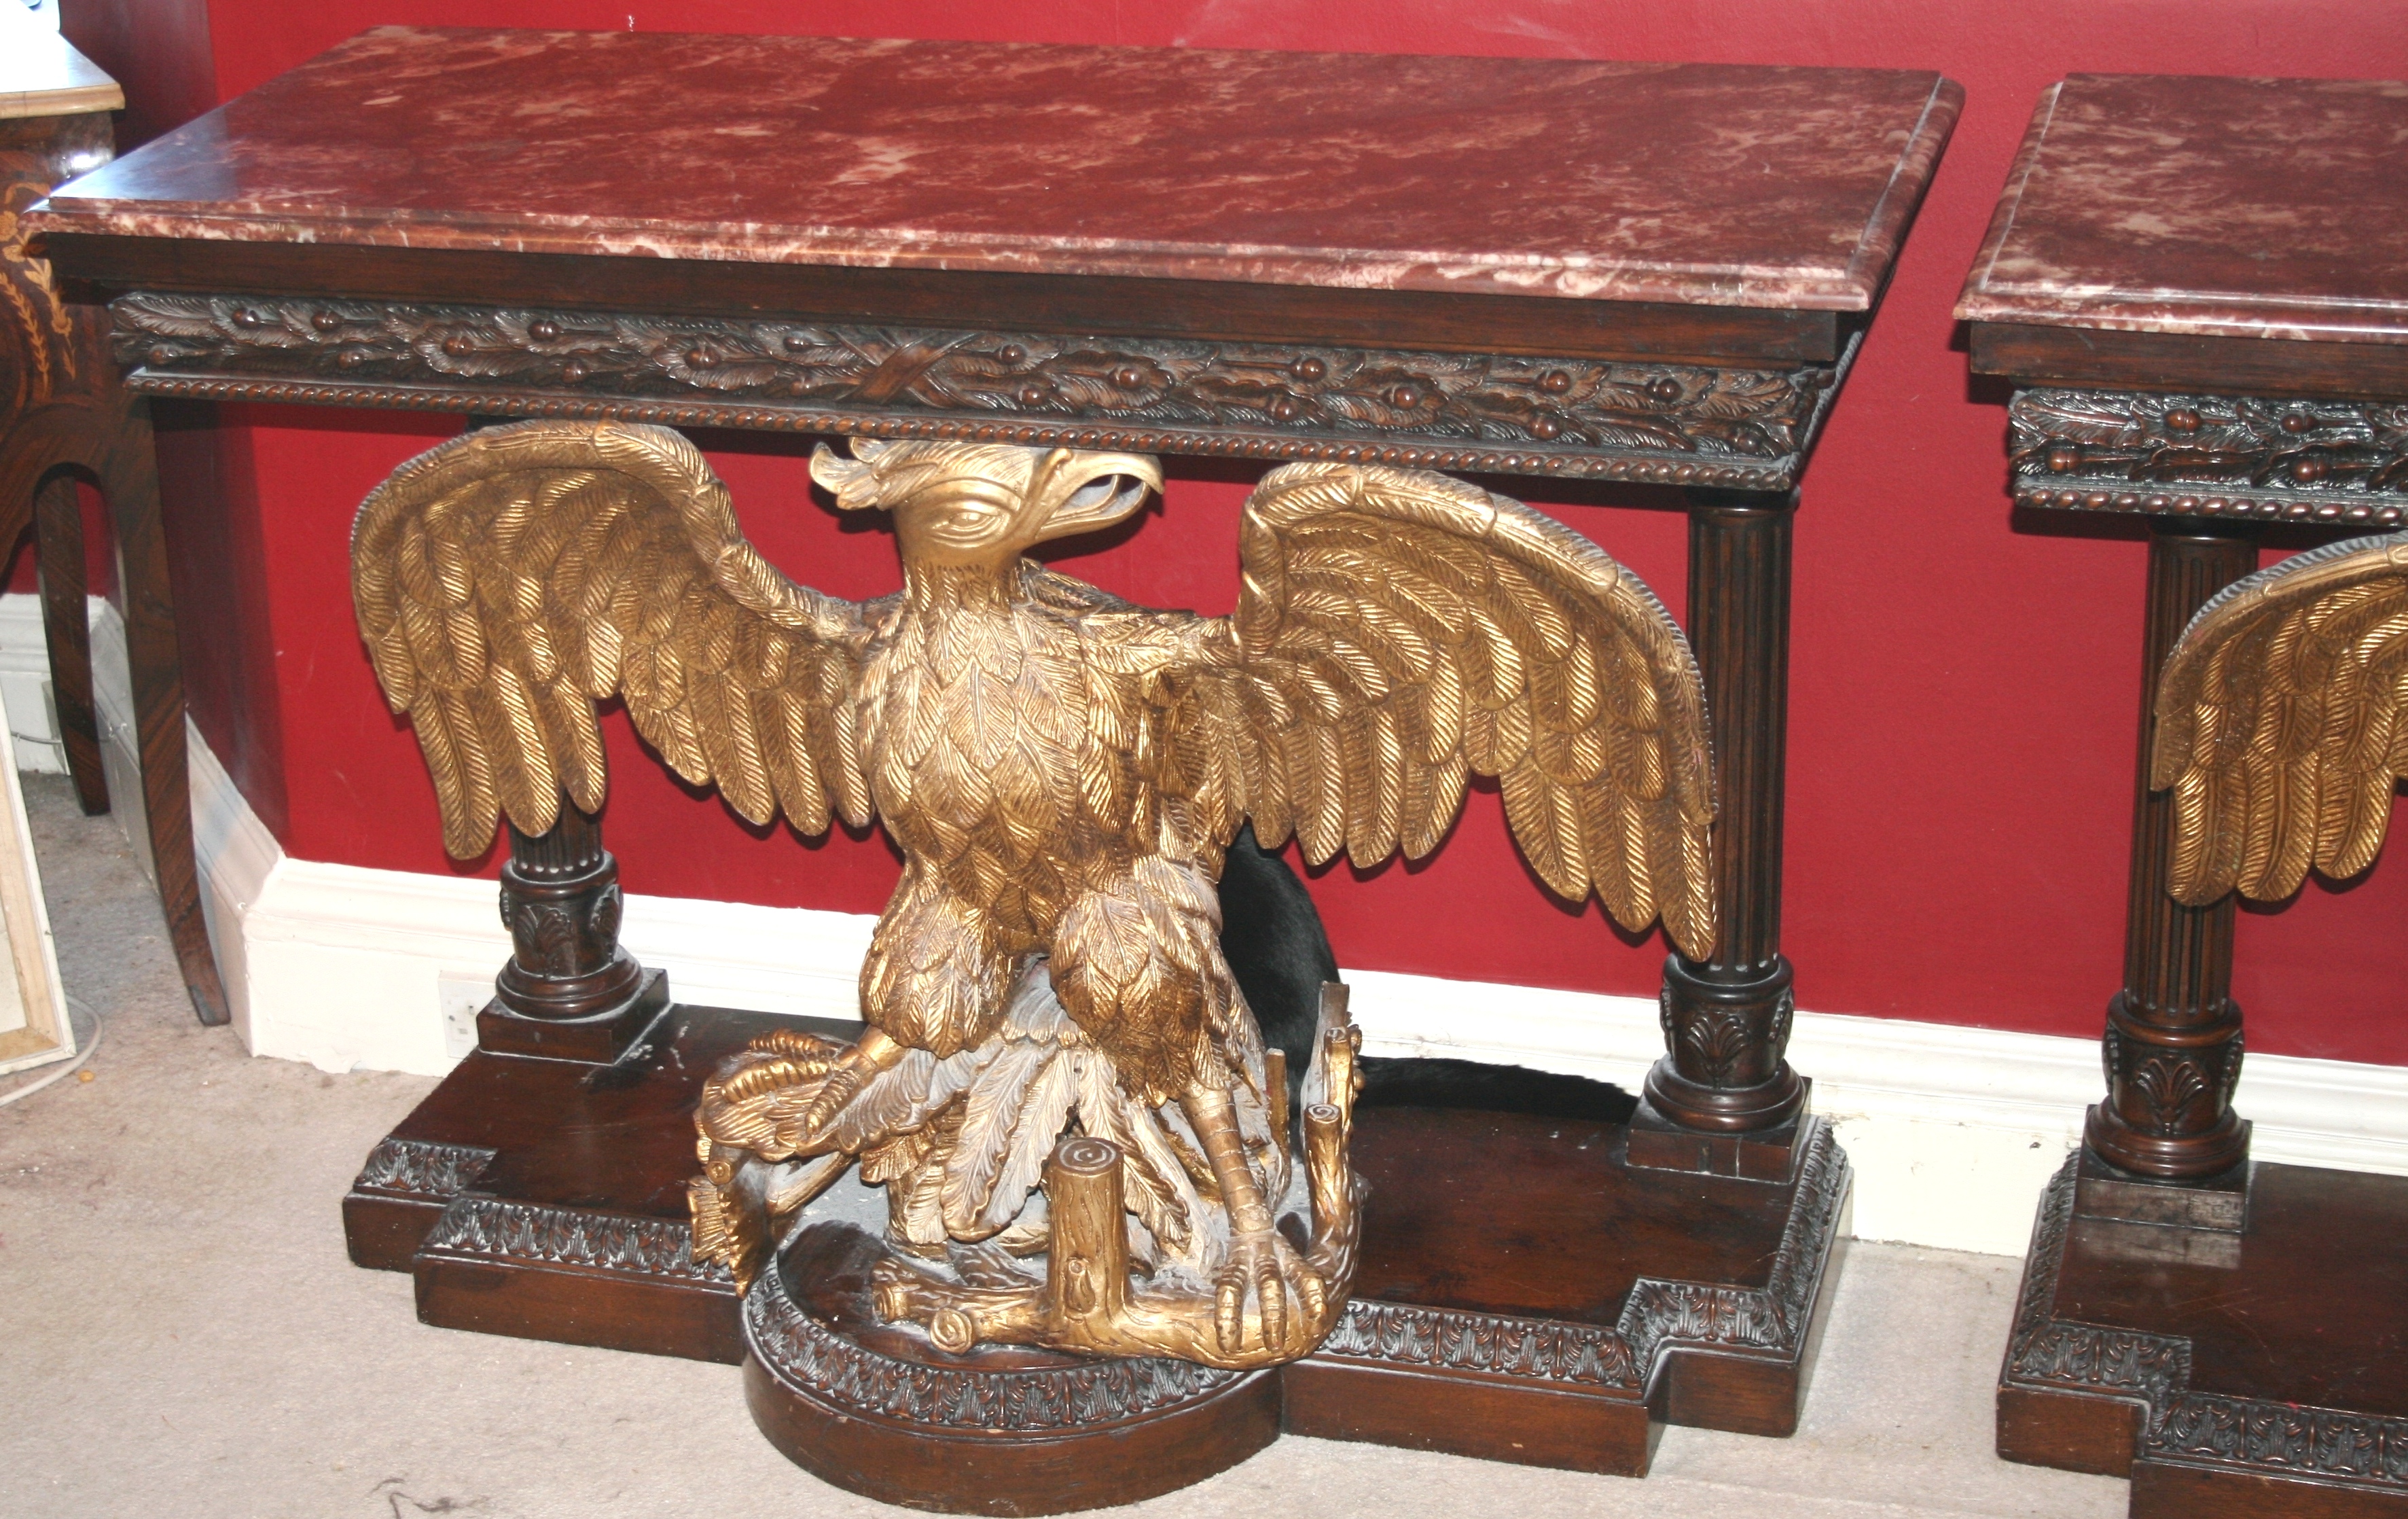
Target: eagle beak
1077	493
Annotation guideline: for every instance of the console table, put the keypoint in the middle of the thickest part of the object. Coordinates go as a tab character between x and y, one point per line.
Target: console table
63	415
1563	270
2200	290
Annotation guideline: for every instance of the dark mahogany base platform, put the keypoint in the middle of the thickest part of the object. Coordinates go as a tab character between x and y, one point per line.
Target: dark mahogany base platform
1522	1294
2262	1374
1525	1295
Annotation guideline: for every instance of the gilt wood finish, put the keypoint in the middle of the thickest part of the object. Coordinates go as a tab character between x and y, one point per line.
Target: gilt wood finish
1637	271
1640	1299
2220	1331
64	416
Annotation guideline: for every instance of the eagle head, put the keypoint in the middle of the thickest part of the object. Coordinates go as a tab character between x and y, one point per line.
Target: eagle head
985	503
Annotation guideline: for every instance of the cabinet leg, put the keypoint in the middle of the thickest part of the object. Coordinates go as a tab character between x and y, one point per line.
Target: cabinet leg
131	482
66	629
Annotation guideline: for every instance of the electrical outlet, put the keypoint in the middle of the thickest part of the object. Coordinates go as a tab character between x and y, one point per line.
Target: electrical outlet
461	995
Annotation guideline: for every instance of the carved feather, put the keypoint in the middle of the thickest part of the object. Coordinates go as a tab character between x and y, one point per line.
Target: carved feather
1398	631
509	580
2277	722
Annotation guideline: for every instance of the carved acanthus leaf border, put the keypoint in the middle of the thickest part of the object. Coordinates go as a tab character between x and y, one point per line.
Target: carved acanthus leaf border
2298	460
421	1168
1659	1316
1401	1334
1656	1317
2046	1352
805	1356
1666	424
2183	1426
531	1234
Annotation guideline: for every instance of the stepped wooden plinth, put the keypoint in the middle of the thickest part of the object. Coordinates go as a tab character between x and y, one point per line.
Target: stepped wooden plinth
1524	1295
2253	1374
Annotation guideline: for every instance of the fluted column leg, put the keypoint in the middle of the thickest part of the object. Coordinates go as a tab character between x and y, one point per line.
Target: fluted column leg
2174	1039
1723	1077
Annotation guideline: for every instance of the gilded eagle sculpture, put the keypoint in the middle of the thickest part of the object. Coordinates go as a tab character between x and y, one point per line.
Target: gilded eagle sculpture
1062	771
2283	723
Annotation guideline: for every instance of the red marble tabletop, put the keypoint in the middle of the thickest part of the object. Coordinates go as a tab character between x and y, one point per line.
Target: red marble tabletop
1708	185
2230	207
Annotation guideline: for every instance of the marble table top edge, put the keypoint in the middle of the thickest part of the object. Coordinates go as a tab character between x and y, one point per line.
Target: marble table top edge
1845	289
1893	213
2136	203
199	185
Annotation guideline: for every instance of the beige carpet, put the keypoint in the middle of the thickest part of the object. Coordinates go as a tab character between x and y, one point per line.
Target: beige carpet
184	1338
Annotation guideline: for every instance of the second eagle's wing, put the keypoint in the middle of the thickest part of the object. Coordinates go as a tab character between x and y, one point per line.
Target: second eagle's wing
1398	630
508	579
2281	723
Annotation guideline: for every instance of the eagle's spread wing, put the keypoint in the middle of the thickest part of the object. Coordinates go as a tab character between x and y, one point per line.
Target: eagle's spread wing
1399	630
509	579
2280	722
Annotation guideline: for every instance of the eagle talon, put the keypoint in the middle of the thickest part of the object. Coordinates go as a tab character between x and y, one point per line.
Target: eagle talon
1264	1267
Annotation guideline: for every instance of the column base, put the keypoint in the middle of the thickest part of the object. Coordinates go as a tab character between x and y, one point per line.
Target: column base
597	1038
1657	1143
2218	1202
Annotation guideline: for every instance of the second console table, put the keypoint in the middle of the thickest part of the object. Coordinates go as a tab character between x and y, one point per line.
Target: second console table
1553	269
2200	290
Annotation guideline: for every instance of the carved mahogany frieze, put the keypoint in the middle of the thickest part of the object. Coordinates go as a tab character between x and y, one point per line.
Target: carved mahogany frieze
1688	424
2303	460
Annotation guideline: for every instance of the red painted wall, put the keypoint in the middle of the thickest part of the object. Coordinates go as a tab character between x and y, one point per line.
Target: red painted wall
1965	680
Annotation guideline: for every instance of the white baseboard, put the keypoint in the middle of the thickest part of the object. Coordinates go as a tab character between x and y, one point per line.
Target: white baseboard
1953	1131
